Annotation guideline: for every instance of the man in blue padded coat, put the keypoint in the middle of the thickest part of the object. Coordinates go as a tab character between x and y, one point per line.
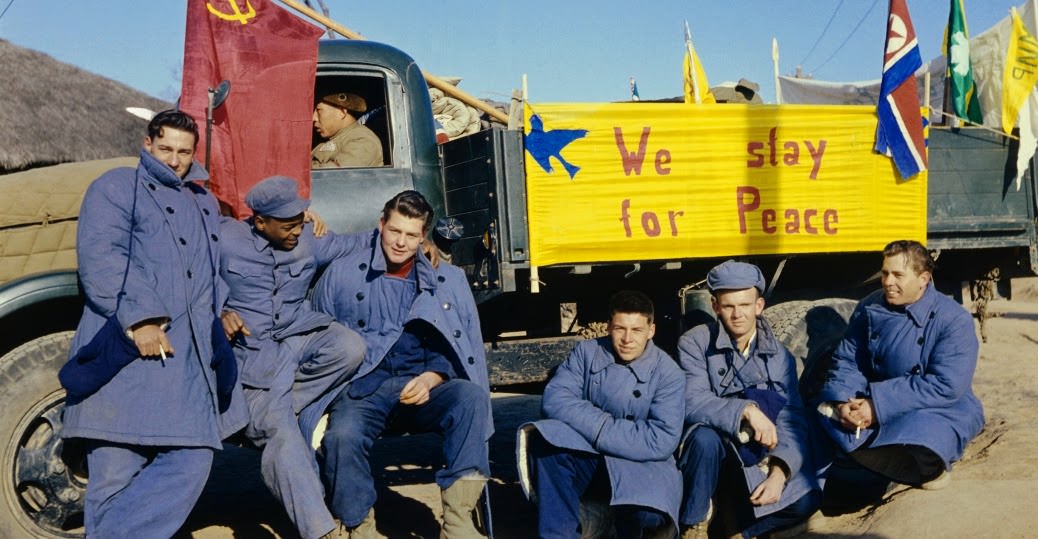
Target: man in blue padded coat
613	412
898	400
425	368
739	377
148	246
289	355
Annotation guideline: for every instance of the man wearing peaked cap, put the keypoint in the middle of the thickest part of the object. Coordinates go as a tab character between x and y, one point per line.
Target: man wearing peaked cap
348	143
744	417
288	355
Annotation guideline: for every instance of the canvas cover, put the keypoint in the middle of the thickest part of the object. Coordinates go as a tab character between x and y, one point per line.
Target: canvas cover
38	215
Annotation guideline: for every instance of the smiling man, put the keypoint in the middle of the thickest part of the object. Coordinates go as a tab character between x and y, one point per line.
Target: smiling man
746	426
613	414
899	399
288	354
147	246
425	369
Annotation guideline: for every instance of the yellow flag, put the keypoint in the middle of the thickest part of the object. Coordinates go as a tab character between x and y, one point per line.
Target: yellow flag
1021	72
697	89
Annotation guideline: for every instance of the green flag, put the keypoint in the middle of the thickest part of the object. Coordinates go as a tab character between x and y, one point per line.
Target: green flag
963	92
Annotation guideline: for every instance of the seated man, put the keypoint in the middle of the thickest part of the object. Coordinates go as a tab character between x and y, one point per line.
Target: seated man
424	371
288	355
348	143
614	415
741	382
898	399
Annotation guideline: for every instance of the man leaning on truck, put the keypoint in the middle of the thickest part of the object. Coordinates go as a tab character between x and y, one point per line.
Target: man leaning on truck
147	249
425	368
289	355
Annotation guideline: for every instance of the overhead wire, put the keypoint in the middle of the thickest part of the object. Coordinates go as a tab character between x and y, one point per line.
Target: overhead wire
848	38
8	6
820	36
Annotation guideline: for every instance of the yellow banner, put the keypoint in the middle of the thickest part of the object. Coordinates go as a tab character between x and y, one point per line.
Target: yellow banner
610	182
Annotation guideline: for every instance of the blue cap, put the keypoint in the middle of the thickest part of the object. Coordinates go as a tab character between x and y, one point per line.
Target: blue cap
732	275
277	197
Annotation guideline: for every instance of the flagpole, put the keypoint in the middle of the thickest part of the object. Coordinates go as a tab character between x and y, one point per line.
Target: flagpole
434	81
775	63
692	64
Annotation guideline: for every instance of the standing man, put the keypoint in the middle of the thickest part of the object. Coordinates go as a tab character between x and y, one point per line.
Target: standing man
348	143
148	245
741	380
289	355
424	370
899	399
614	412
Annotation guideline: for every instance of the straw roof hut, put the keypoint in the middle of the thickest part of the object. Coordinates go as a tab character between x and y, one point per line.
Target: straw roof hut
52	112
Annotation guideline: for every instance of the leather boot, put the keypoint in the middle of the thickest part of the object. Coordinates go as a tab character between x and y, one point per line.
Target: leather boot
459	500
364	530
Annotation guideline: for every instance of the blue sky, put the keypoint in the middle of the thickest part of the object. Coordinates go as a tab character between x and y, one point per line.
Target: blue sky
570	51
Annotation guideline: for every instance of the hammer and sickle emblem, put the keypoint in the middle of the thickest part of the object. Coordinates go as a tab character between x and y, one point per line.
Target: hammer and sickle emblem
236	12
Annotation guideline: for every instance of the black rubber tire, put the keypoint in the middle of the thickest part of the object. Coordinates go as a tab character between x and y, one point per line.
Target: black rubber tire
811	330
42	480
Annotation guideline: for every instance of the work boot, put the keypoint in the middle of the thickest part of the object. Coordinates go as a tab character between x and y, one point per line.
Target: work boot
698	530
939	482
364	530
459	500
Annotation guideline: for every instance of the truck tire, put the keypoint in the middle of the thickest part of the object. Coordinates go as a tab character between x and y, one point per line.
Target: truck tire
42	480
811	330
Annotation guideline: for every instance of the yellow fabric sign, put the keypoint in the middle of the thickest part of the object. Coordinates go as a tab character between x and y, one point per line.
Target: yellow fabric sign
1020	73
610	182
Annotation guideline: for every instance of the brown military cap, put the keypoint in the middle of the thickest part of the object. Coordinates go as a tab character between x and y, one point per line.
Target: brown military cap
343	100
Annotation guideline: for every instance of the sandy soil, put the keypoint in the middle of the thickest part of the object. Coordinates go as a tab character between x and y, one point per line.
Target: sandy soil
989	495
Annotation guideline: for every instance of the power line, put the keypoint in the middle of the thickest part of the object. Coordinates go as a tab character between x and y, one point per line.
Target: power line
848	38
820	36
8	6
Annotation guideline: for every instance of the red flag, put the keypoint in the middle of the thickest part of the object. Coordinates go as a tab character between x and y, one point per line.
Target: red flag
264	127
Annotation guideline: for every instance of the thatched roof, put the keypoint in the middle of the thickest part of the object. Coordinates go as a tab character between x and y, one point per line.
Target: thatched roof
53	112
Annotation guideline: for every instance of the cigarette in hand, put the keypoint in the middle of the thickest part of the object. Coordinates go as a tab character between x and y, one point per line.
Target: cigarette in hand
857	432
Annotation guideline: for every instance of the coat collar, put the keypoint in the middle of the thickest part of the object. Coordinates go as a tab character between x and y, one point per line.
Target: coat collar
424	270
259	242
641	367
922	310
161	173
765	343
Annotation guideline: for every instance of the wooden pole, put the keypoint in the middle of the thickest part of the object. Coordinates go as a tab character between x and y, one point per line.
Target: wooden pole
434	81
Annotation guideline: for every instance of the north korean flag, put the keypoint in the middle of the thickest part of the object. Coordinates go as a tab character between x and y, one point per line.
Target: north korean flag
900	130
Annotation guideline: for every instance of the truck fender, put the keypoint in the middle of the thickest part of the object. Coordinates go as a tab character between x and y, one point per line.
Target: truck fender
37	288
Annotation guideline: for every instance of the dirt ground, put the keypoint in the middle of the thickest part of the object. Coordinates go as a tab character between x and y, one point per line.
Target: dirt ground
990	494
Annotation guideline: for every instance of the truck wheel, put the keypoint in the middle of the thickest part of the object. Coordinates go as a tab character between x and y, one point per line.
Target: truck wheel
42	480
811	330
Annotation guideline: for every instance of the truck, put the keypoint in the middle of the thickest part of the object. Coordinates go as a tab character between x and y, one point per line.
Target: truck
532	306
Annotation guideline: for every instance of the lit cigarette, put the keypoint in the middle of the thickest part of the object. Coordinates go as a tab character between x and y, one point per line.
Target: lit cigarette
162	353
857	432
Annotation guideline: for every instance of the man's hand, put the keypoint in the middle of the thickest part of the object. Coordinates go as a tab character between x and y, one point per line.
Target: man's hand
151	340
856	414
771	489
320	227
233	324
417	390
764	431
